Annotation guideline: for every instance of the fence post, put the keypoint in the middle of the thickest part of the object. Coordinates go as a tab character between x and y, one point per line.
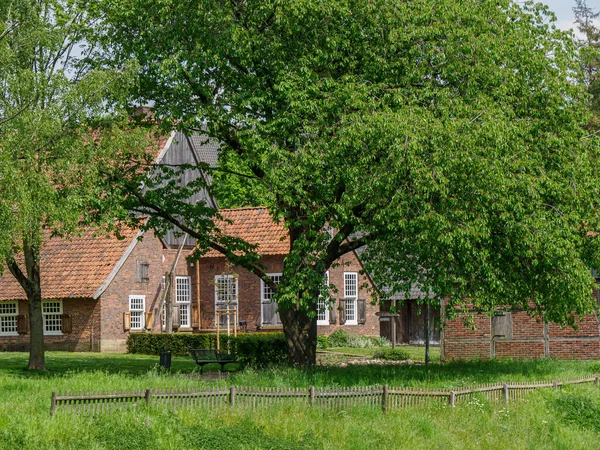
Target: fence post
147	395
505	392
384	398
311	393
596	380
452	399
53	404
232	396
554	385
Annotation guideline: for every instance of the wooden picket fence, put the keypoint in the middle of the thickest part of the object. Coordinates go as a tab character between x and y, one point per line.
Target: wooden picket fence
384	397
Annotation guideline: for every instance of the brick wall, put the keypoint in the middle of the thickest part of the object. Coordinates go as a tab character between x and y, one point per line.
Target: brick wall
249	292
85	335
531	338
115	300
349	263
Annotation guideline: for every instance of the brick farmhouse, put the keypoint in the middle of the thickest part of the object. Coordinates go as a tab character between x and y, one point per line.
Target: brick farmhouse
99	289
516	334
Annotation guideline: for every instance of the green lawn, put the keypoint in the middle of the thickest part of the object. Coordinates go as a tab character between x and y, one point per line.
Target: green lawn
569	418
416	353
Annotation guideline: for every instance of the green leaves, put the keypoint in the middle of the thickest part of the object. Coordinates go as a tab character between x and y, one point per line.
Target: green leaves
446	135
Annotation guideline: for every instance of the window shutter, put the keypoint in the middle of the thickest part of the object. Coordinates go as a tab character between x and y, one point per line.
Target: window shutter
126	321
194	316
342	311
67	323
362	311
332	314
22	324
176	321
149	320
142	271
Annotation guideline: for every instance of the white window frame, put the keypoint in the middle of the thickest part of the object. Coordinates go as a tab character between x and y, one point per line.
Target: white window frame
54	316
9	316
263	291
184	302
351	299
231	303
323	304
141	311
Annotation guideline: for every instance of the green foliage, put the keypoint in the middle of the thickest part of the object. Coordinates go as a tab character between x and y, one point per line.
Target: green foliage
62	123
392	354
441	134
260	349
322	342
253	349
341	338
176	343
589	52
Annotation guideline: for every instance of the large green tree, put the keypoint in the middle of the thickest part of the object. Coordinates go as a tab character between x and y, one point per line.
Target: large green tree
447	135
59	127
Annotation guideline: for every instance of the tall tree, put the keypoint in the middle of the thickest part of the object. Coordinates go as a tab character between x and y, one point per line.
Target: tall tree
57	130
446	135
587	20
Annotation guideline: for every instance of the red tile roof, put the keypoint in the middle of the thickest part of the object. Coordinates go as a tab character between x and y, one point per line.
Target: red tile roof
72	268
255	226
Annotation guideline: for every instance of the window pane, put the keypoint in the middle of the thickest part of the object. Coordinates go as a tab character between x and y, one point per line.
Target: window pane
137	309
184	291
350	285
8	308
8	324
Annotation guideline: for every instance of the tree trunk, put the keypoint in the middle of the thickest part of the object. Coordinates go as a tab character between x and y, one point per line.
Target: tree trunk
34	298
301	335
36	330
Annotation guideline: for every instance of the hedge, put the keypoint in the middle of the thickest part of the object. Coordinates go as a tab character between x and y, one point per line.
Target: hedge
254	349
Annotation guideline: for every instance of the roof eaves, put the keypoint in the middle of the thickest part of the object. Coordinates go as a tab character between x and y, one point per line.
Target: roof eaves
164	150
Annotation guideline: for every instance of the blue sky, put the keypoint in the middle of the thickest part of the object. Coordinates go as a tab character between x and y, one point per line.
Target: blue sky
564	10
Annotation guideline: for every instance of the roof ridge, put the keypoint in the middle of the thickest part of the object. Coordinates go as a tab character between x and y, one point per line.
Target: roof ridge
245	208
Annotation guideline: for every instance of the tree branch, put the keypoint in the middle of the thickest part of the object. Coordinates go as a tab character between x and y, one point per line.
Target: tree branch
231	256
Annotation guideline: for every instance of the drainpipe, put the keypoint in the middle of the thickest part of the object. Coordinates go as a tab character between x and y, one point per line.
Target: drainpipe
198	294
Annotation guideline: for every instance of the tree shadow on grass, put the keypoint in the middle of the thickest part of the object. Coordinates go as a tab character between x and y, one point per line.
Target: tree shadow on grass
61	363
457	373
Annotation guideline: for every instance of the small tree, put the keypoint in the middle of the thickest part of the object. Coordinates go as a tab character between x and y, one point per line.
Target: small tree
57	132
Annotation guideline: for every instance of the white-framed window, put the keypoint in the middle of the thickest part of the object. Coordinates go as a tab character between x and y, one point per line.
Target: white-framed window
268	307
351	297
323	306
183	298
8	318
226	295
137	309
52	316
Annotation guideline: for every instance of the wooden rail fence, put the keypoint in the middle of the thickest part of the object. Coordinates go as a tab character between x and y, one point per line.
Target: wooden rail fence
383	397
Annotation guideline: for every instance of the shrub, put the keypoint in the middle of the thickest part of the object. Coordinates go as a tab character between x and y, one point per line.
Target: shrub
322	341
176	343
255	349
392	354
260	349
339	338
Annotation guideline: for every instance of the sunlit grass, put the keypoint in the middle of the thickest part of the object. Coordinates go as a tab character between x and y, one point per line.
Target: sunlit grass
544	420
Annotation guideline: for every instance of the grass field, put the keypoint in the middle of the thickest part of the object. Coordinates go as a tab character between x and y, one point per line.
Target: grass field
416	353
566	419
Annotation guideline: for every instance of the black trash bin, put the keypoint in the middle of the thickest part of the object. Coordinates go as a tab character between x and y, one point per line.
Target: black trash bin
165	359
